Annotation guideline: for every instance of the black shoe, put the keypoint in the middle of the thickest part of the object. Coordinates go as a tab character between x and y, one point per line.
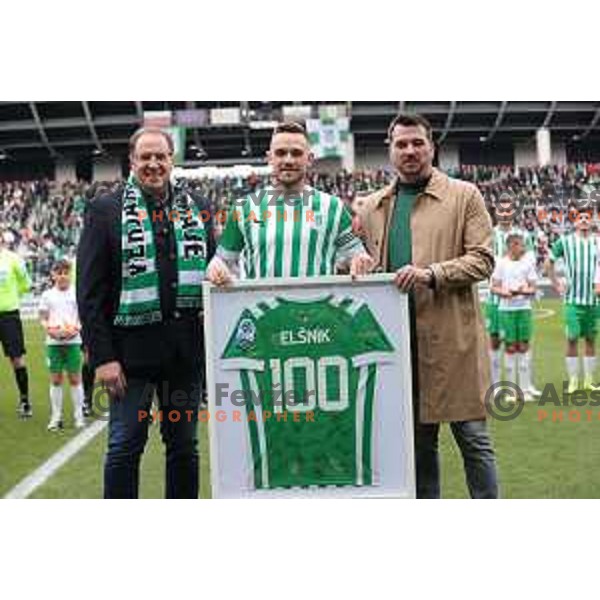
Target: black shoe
25	411
87	409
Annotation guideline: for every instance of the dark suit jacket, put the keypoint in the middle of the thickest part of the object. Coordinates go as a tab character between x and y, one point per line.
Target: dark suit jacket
177	342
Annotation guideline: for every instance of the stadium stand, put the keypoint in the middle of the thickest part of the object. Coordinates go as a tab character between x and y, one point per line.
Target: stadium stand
42	219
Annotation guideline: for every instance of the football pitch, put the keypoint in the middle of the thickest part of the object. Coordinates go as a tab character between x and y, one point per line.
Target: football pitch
548	451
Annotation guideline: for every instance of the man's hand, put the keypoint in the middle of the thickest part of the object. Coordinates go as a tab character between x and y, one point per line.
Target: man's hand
357	226
361	264
218	272
110	376
409	277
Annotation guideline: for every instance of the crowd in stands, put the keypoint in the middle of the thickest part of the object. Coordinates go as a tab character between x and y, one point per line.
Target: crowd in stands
42	219
543	195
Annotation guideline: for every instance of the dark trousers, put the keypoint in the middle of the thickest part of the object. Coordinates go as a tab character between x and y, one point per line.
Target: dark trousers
178	396
473	439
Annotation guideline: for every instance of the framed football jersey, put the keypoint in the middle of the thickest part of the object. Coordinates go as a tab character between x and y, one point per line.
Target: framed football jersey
309	387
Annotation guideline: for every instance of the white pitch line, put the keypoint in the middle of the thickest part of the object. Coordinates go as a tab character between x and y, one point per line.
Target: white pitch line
543	313
33	481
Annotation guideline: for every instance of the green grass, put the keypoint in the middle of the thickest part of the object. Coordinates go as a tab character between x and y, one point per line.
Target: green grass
82	476
24	445
536	459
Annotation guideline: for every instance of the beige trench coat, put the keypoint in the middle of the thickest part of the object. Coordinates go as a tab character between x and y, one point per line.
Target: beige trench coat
452	234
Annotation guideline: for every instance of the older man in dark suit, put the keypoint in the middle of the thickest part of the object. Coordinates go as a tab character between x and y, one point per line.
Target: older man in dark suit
141	262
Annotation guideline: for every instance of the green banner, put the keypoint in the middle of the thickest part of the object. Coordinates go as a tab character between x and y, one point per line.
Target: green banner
328	137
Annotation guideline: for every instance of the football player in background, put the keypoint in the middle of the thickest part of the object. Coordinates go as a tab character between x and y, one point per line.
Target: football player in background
580	253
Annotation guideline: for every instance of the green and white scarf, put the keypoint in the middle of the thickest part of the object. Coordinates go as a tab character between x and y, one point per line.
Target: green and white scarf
140	295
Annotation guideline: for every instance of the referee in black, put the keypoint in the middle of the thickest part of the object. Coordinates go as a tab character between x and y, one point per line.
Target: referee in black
14	283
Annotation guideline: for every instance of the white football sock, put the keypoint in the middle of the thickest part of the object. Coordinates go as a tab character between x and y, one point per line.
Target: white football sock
495	364
572	366
77	398
524	371
589	365
56	403
510	366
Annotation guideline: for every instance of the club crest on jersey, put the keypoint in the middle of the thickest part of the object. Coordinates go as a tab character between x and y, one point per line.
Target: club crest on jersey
245	336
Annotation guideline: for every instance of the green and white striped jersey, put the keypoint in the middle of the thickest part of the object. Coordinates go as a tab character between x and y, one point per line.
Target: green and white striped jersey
579	254
320	357
277	237
500	248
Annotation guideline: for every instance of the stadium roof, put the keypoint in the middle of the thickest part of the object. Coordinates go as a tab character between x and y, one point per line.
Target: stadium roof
32	131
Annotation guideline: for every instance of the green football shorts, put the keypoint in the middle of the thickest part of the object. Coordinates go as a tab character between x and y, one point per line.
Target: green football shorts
64	357
580	321
516	326
492	319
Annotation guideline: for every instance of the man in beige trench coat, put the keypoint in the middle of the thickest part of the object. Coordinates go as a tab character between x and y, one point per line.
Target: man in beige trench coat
435	234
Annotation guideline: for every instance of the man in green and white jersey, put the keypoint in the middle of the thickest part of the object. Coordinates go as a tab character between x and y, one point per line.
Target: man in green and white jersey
317	359
579	253
14	283
290	229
